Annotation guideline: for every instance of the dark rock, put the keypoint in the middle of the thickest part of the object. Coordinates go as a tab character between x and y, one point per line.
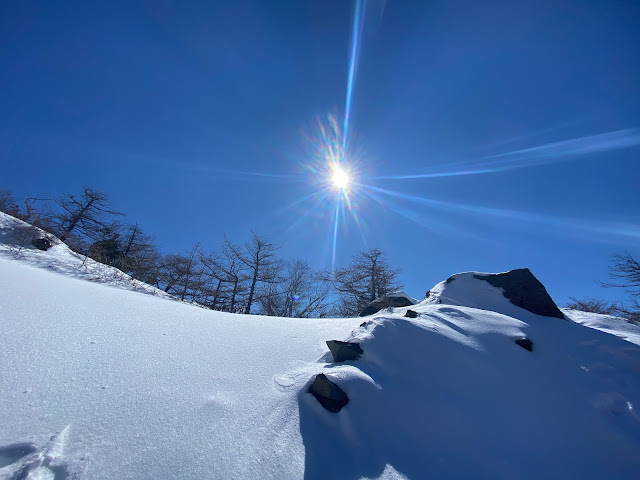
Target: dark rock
411	314
428	294
525	291
42	243
396	299
364	324
330	395
525	343
343	351
450	279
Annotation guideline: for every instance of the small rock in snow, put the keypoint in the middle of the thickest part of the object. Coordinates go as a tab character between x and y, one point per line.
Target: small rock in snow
525	343
328	394
41	243
411	314
343	351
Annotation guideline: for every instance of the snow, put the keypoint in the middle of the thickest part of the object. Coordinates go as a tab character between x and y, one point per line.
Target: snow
106	383
399	294
606	323
15	242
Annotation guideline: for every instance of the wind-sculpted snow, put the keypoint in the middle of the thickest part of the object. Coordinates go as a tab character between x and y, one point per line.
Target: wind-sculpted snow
450	395
102	383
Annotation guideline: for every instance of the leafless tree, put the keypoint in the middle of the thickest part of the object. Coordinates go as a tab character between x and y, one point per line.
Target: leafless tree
625	274
258	257
139	254
86	213
180	274
300	293
593	305
368	277
226	279
8	203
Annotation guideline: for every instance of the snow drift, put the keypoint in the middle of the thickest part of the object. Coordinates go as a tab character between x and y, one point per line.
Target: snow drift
104	383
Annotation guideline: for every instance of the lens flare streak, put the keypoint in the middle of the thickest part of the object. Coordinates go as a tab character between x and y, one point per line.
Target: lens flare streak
618	229
555	152
356	36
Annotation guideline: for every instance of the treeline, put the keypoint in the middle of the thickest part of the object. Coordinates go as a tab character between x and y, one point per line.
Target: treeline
246	277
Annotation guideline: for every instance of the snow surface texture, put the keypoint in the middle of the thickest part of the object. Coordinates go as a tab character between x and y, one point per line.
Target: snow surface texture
103	383
15	242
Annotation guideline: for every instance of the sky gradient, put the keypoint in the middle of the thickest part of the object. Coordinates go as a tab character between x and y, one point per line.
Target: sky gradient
481	135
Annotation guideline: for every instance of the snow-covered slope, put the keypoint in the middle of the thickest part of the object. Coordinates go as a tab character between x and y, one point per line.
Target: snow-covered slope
606	323
101	383
15	242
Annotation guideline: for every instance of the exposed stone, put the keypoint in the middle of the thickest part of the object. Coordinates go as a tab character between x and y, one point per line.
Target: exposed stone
41	243
330	395
343	351
411	314
525	343
395	299
525	291
450	279
364	324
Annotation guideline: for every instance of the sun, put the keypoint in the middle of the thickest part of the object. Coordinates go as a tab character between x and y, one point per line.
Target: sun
340	179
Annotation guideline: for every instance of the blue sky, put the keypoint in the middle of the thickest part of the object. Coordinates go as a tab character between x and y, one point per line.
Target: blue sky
170	106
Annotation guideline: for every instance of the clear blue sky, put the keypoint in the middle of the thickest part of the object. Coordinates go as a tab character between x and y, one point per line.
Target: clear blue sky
167	106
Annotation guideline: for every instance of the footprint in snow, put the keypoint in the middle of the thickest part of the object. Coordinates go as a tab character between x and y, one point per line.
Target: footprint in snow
24	461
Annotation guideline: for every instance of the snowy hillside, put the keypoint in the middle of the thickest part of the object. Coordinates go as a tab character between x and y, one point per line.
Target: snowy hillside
104	383
16	239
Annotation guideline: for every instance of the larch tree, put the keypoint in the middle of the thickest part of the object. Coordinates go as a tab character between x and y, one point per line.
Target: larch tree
258	256
369	276
87	213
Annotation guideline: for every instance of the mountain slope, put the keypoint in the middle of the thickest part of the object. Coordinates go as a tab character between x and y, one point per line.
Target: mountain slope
16	243
104	383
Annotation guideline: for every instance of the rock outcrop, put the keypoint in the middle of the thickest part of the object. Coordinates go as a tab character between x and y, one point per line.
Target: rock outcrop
395	299
525	291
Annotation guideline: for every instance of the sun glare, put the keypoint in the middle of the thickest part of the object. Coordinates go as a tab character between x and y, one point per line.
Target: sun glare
340	179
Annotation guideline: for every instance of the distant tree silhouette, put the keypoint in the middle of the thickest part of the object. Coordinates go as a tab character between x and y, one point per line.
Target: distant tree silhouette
624	271
593	305
180	274
258	256
368	277
227	279
8	203
301	292
88	213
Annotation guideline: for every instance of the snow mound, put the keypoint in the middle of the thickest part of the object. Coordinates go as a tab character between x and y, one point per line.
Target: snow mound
472	290
16	239
451	395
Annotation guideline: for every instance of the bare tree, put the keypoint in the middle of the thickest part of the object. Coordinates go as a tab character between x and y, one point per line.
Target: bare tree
139	254
107	248
86	213
258	256
300	293
226	278
180	274
625	273
593	305
8	203
368	277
